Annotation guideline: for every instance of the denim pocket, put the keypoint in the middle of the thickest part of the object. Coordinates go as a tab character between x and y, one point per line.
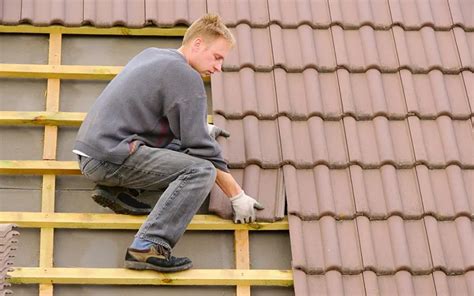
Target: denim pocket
93	169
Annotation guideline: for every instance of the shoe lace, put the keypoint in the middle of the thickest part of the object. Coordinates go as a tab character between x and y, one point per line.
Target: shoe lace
163	251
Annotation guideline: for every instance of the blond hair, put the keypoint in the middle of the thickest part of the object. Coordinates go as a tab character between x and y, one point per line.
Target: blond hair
209	27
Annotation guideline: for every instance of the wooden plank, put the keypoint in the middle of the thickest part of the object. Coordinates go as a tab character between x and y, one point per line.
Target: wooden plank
242	257
47	206
46	289
49	152
50	142
55	45
41	118
89	30
51	132
47	118
119	276
242	249
62	71
39	167
116	221
59	71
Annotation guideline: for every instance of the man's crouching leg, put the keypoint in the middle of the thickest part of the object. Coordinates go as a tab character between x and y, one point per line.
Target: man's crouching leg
165	225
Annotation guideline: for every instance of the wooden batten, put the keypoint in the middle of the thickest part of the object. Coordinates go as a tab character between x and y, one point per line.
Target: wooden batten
89	30
116	221
76	72
40	118
119	276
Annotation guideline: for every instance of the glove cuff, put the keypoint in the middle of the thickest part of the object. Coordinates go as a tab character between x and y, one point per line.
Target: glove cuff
237	196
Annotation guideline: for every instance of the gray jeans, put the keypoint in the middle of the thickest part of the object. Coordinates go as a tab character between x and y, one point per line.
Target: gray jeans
186	181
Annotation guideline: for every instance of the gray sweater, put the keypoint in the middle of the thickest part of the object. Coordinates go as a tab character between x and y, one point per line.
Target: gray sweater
157	97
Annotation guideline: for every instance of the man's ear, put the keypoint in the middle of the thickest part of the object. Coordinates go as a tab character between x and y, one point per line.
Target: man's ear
197	43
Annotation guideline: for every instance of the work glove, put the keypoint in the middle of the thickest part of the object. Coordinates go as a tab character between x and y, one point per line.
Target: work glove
215	131
244	207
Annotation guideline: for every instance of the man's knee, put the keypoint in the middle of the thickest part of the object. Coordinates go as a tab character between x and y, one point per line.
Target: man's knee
207	169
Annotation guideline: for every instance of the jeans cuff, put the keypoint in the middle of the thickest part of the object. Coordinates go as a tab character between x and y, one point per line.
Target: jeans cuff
156	240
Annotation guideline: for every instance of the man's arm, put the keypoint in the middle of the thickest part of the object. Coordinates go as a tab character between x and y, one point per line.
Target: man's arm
243	205
227	183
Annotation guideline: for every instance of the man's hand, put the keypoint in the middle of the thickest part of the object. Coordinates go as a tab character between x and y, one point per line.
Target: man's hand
215	131
244	207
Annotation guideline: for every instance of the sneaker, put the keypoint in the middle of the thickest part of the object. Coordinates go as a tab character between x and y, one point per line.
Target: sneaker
120	200
156	258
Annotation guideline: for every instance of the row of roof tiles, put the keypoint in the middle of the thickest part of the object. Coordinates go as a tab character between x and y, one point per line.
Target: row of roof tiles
384	247
358	50
345	194
339	144
333	283
298	96
7	251
382	14
264	184
379	193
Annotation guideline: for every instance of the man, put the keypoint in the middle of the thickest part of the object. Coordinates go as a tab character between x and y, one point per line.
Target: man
123	143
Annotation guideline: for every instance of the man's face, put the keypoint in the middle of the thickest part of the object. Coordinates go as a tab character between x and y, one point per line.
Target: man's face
207	58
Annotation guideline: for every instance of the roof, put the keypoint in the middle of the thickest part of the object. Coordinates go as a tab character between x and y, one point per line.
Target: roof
359	113
7	254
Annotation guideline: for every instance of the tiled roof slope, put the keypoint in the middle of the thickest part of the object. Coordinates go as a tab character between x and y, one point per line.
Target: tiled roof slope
7	253
371	106
359	112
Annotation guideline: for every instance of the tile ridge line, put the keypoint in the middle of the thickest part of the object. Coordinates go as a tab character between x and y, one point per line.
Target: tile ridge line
353	217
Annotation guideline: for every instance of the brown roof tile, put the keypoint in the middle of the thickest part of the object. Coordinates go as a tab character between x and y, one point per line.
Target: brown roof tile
438	143
369	94
451	244
252	50
447	193
249	142
165	13
434	94
297	49
112	13
454	285
313	193
265	185
306	94
255	164
379	141
415	14
462	13
234	12
10	12
237	94
381	193
426	49
323	245
465	46
332	283
129	13
315	141
394	244
401	283
52	12
359	50
469	81
356	13
291	14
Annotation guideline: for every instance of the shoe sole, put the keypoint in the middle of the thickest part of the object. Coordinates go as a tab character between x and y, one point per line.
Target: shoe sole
116	207
147	266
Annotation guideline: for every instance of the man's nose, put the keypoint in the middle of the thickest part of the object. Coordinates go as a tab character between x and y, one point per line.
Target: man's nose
218	67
